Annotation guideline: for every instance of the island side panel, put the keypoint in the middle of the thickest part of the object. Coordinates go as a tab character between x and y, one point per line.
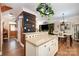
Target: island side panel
30	49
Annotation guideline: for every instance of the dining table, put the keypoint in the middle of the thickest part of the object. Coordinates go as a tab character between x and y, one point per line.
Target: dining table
66	38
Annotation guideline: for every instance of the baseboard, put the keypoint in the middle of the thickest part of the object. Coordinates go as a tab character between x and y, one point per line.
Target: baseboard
0	53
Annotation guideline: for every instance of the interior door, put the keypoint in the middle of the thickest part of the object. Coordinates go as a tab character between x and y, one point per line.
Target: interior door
12	31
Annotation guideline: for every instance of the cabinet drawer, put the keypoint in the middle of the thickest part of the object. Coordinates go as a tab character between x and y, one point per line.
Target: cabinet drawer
53	48
45	45
49	43
48	48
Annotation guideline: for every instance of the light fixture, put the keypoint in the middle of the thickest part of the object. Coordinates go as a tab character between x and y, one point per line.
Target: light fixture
63	16
63	22
45	9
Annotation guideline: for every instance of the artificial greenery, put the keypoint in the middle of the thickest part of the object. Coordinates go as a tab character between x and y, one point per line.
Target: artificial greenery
45	9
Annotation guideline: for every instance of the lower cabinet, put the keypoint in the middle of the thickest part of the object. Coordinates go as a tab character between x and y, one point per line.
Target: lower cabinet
44	49
48	49
53	48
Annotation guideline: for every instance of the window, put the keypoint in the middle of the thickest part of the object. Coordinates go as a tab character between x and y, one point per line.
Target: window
13	27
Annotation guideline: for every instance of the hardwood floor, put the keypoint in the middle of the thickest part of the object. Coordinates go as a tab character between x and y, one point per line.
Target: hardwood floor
12	48
66	50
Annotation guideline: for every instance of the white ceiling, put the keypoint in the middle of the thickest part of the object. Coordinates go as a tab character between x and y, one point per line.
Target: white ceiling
69	9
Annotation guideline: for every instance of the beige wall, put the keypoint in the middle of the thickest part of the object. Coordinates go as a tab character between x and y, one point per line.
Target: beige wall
6	19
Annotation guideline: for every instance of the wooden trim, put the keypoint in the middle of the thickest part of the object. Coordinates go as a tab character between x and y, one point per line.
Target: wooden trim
5	8
0	27
1	32
0	53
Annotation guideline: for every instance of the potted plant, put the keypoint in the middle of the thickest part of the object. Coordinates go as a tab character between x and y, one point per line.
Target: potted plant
45	9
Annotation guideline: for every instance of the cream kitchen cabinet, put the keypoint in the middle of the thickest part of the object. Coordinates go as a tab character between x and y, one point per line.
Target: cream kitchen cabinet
48	48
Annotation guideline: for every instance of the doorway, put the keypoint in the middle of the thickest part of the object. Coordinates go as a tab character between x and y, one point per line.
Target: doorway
11	46
12	31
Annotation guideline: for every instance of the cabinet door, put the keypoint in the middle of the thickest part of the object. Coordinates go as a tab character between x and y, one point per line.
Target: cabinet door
53	48
44	50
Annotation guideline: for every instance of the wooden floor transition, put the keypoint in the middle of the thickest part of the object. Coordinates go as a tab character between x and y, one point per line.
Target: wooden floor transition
66	50
12	48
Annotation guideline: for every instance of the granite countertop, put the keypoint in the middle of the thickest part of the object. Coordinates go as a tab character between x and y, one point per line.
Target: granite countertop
40	38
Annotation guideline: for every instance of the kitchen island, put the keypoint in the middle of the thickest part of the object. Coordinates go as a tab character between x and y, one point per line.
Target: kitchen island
41	44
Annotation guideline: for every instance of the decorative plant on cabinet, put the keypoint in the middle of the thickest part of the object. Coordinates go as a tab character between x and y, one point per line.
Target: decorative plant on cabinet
45	9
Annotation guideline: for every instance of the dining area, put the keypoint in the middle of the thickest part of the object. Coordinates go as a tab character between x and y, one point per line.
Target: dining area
65	34
67	45
66	38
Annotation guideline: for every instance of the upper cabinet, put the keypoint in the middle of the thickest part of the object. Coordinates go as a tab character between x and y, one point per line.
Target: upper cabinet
28	22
